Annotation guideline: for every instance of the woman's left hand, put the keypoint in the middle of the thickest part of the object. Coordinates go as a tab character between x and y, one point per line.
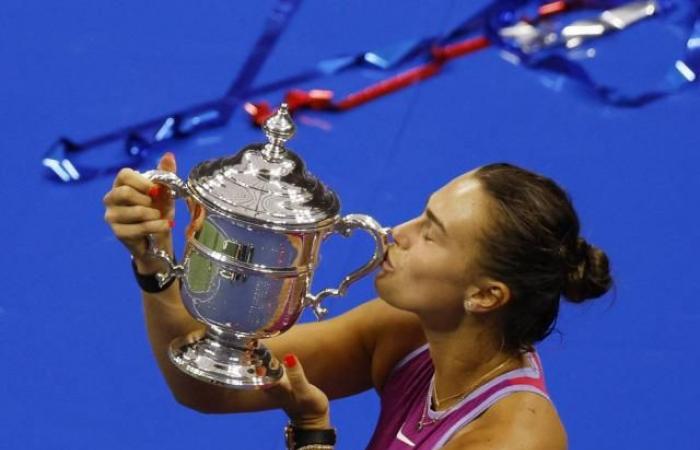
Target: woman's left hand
305	404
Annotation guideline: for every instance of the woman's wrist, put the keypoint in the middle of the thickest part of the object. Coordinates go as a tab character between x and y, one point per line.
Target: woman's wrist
147	265
319	423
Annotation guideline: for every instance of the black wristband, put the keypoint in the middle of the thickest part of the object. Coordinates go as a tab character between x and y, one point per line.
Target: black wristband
299	437
149	283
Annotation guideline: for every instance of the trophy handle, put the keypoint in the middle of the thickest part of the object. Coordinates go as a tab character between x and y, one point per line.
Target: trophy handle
346	226
178	189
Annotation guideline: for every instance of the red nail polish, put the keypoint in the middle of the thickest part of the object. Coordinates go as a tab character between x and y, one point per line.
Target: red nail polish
171	222
154	191
290	360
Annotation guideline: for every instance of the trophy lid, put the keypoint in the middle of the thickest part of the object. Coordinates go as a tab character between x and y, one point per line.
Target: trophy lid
265	184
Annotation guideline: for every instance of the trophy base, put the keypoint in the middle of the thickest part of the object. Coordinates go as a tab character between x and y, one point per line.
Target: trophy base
232	363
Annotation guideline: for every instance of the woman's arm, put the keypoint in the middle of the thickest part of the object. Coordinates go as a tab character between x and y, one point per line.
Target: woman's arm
336	355
342	356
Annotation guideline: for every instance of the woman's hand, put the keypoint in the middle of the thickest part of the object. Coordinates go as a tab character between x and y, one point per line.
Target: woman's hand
305	404
136	207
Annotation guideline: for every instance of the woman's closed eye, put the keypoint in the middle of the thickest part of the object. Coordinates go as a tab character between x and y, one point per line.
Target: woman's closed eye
426	232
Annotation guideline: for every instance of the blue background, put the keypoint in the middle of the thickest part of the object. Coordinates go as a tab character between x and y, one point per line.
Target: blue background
76	369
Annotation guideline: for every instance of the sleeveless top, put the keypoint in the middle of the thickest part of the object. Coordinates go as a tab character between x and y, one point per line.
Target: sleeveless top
406	401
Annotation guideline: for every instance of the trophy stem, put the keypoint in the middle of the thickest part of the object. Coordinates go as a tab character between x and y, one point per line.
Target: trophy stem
224	359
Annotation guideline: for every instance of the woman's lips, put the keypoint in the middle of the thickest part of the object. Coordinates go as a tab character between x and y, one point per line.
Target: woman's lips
386	265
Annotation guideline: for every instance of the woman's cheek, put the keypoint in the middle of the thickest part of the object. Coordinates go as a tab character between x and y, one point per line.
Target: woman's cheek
424	267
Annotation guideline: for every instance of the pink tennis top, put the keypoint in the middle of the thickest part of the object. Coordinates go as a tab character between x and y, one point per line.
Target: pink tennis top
406	402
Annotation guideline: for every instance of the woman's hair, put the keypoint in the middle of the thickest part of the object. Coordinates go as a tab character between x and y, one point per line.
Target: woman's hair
533	246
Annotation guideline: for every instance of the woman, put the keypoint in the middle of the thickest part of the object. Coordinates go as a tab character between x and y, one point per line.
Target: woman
465	291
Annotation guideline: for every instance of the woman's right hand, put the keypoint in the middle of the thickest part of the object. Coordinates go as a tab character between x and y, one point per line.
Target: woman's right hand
136	207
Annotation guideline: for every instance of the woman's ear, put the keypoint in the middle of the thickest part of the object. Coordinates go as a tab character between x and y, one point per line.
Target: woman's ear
470	298
486	295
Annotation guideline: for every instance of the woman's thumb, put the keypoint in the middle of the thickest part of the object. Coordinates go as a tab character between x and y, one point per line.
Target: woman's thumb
295	373
167	163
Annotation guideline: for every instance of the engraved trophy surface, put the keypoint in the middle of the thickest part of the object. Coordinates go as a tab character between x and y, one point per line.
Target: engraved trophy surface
258	219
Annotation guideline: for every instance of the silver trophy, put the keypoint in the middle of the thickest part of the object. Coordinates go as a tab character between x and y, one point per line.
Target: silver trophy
257	223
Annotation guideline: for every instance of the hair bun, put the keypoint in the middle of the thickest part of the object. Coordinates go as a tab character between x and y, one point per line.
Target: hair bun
589	275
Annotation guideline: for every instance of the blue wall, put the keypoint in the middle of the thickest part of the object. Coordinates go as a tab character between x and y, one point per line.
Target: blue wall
76	369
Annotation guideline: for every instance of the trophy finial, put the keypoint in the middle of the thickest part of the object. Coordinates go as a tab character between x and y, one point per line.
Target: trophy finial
279	129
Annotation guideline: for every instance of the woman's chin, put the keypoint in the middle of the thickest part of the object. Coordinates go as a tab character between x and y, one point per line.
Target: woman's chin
381	286
387	291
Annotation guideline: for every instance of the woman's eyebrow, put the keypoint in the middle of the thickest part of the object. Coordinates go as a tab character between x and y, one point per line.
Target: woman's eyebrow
435	220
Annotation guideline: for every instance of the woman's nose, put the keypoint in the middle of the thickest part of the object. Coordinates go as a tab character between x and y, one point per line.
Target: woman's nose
400	235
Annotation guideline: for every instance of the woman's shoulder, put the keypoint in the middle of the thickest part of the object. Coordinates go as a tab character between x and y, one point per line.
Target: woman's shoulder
395	334
521	420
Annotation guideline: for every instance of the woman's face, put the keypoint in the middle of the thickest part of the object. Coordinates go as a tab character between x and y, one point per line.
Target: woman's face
430	266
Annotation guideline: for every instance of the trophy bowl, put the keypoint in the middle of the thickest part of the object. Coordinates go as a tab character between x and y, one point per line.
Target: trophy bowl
258	219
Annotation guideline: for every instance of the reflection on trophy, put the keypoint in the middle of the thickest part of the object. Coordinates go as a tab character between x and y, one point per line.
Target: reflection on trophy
258	221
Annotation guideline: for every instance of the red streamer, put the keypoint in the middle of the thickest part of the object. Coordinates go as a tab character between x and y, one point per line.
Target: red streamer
323	99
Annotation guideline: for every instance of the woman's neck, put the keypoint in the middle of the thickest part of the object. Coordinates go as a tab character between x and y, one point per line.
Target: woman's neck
464	358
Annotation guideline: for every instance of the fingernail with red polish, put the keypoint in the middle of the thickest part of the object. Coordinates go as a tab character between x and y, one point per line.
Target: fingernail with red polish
290	360
154	191
171	223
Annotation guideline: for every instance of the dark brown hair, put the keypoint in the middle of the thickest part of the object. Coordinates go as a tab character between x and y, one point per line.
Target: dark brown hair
533	246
